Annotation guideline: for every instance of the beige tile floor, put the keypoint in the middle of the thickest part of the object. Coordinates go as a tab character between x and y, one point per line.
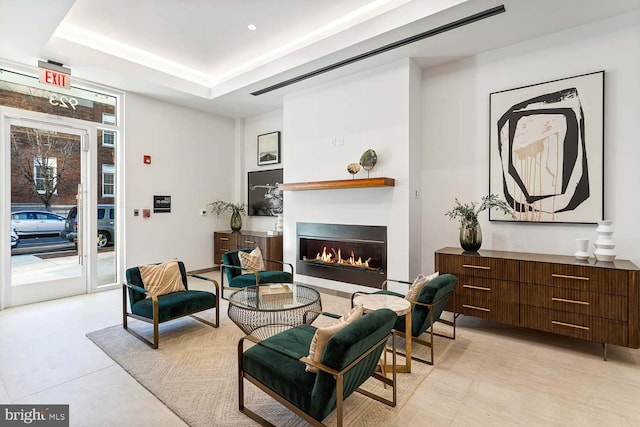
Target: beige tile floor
492	374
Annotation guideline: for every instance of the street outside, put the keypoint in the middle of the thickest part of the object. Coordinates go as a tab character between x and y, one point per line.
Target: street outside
40	244
46	258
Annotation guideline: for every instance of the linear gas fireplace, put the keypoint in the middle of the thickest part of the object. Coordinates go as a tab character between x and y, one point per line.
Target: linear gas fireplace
344	253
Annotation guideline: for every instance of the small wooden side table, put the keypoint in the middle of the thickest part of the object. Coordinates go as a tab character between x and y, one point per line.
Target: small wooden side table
401	307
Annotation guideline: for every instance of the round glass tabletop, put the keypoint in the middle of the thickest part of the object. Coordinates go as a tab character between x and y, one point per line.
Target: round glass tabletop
267	309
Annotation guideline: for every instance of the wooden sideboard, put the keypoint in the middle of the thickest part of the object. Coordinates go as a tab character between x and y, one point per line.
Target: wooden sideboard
591	300
270	246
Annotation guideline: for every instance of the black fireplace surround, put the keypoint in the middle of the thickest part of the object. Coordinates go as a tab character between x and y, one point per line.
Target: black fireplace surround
367	242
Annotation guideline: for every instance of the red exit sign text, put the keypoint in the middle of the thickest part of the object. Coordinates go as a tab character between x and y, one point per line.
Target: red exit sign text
55	78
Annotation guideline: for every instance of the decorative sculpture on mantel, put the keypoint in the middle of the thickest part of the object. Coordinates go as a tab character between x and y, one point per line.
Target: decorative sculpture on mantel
353	169
368	160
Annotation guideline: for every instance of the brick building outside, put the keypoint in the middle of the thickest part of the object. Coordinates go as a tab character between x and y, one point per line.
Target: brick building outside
45	166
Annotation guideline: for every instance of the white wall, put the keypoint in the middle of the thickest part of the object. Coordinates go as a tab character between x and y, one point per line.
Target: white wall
377	109
193	161
366	110
254	126
456	120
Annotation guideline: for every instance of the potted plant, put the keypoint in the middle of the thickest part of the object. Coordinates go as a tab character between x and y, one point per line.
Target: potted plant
236	210
467	214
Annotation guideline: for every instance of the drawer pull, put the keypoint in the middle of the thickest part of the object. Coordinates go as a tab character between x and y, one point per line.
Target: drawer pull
571	301
570	325
564	276
479	267
480	288
251	242
224	239
473	307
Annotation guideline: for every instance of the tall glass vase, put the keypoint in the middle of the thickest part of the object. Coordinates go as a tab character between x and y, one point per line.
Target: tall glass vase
470	236
236	221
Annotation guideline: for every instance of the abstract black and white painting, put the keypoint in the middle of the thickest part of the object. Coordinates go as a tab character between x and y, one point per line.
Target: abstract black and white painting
264	196
546	143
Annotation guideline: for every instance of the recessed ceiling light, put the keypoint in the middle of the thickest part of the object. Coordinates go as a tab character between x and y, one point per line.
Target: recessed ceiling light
251	27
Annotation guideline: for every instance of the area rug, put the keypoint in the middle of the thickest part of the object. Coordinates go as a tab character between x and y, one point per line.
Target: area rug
194	373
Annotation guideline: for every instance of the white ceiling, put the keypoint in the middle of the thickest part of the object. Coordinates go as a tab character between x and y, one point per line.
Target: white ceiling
200	53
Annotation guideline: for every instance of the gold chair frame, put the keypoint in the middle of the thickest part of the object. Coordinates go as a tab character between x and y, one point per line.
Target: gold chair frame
431	332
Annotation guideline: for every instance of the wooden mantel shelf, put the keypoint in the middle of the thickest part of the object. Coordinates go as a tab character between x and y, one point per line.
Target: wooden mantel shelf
340	183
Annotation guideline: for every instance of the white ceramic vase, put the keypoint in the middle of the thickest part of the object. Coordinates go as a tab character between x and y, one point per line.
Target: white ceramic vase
581	249
604	244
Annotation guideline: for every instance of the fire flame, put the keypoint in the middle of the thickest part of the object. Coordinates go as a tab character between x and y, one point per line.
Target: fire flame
334	257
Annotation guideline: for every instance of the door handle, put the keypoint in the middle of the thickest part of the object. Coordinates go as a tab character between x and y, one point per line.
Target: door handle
79	226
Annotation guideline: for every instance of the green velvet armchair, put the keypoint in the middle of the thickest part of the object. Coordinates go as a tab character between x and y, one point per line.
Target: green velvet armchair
276	365
236	279
426	311
159	309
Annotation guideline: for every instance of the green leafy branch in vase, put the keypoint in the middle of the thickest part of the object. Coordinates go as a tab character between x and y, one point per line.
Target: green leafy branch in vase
467	213
220	206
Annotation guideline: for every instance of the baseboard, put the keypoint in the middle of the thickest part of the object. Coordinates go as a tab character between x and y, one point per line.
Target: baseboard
205	270
328	291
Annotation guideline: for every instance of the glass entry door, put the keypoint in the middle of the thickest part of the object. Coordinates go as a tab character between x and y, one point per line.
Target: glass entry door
48	175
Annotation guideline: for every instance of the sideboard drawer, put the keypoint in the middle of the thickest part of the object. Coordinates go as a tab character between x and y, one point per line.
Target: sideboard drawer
580	277
575	301
489	309
490	288
227	240
478	266
574	325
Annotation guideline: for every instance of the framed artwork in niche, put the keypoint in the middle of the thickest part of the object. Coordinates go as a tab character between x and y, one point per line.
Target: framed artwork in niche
265	199
547	150
269	148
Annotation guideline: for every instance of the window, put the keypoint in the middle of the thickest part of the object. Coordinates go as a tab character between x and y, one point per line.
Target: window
108	119
108	138
45	170
108	181
23	215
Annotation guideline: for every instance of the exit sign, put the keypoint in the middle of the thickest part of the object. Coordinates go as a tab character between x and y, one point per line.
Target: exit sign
54	74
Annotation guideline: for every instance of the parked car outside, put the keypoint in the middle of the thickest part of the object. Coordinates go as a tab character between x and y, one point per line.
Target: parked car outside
15	239
32	223
106	228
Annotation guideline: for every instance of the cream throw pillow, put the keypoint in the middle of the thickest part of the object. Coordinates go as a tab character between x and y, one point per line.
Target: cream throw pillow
252	261
161	279
319	342
354	314
323	335
418	284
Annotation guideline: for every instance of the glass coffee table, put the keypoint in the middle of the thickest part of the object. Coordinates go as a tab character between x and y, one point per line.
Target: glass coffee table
265	310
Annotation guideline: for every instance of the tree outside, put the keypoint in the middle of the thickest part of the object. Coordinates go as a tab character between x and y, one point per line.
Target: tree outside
43	162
